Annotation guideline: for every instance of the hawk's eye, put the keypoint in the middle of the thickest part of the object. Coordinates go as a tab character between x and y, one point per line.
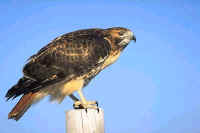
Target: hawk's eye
121	33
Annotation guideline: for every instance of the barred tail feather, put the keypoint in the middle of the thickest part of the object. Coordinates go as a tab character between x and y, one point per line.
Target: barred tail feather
22	106
25	87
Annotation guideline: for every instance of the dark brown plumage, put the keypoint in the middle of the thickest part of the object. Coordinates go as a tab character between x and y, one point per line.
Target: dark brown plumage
67	64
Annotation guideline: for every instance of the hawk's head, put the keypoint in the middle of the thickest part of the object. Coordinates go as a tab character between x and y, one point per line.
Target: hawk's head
120	36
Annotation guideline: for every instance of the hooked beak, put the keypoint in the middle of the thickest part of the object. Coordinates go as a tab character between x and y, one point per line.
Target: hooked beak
133	38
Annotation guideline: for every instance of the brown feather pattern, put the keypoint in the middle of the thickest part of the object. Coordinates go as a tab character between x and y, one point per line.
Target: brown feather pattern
76	55
21	107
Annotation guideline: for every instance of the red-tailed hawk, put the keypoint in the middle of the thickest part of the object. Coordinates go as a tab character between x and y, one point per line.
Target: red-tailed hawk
68	64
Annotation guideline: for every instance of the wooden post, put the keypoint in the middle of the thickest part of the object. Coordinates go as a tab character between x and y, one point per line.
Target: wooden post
80	121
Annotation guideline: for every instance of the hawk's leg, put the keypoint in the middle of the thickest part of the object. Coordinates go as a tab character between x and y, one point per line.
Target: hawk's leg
83	103
74	98
77	103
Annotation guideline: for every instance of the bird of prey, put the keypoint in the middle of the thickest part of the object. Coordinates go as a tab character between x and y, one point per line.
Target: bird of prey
67	64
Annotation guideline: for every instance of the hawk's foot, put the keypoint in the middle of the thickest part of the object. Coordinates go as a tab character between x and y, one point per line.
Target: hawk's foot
86	105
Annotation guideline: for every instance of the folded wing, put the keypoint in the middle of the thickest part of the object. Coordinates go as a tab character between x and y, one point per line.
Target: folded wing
66	57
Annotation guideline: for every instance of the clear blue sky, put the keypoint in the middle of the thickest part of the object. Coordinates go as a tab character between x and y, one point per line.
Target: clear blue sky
153	88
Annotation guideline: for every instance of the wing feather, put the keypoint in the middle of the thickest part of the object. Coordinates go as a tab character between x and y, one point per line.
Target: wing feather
67	57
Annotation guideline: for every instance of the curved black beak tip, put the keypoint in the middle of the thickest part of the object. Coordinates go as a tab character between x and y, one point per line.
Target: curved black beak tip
134	38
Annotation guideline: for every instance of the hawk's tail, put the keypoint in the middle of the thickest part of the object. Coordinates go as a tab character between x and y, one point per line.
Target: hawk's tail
22	106
26	88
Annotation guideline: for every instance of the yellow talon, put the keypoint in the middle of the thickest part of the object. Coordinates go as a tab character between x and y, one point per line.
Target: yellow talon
83	103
